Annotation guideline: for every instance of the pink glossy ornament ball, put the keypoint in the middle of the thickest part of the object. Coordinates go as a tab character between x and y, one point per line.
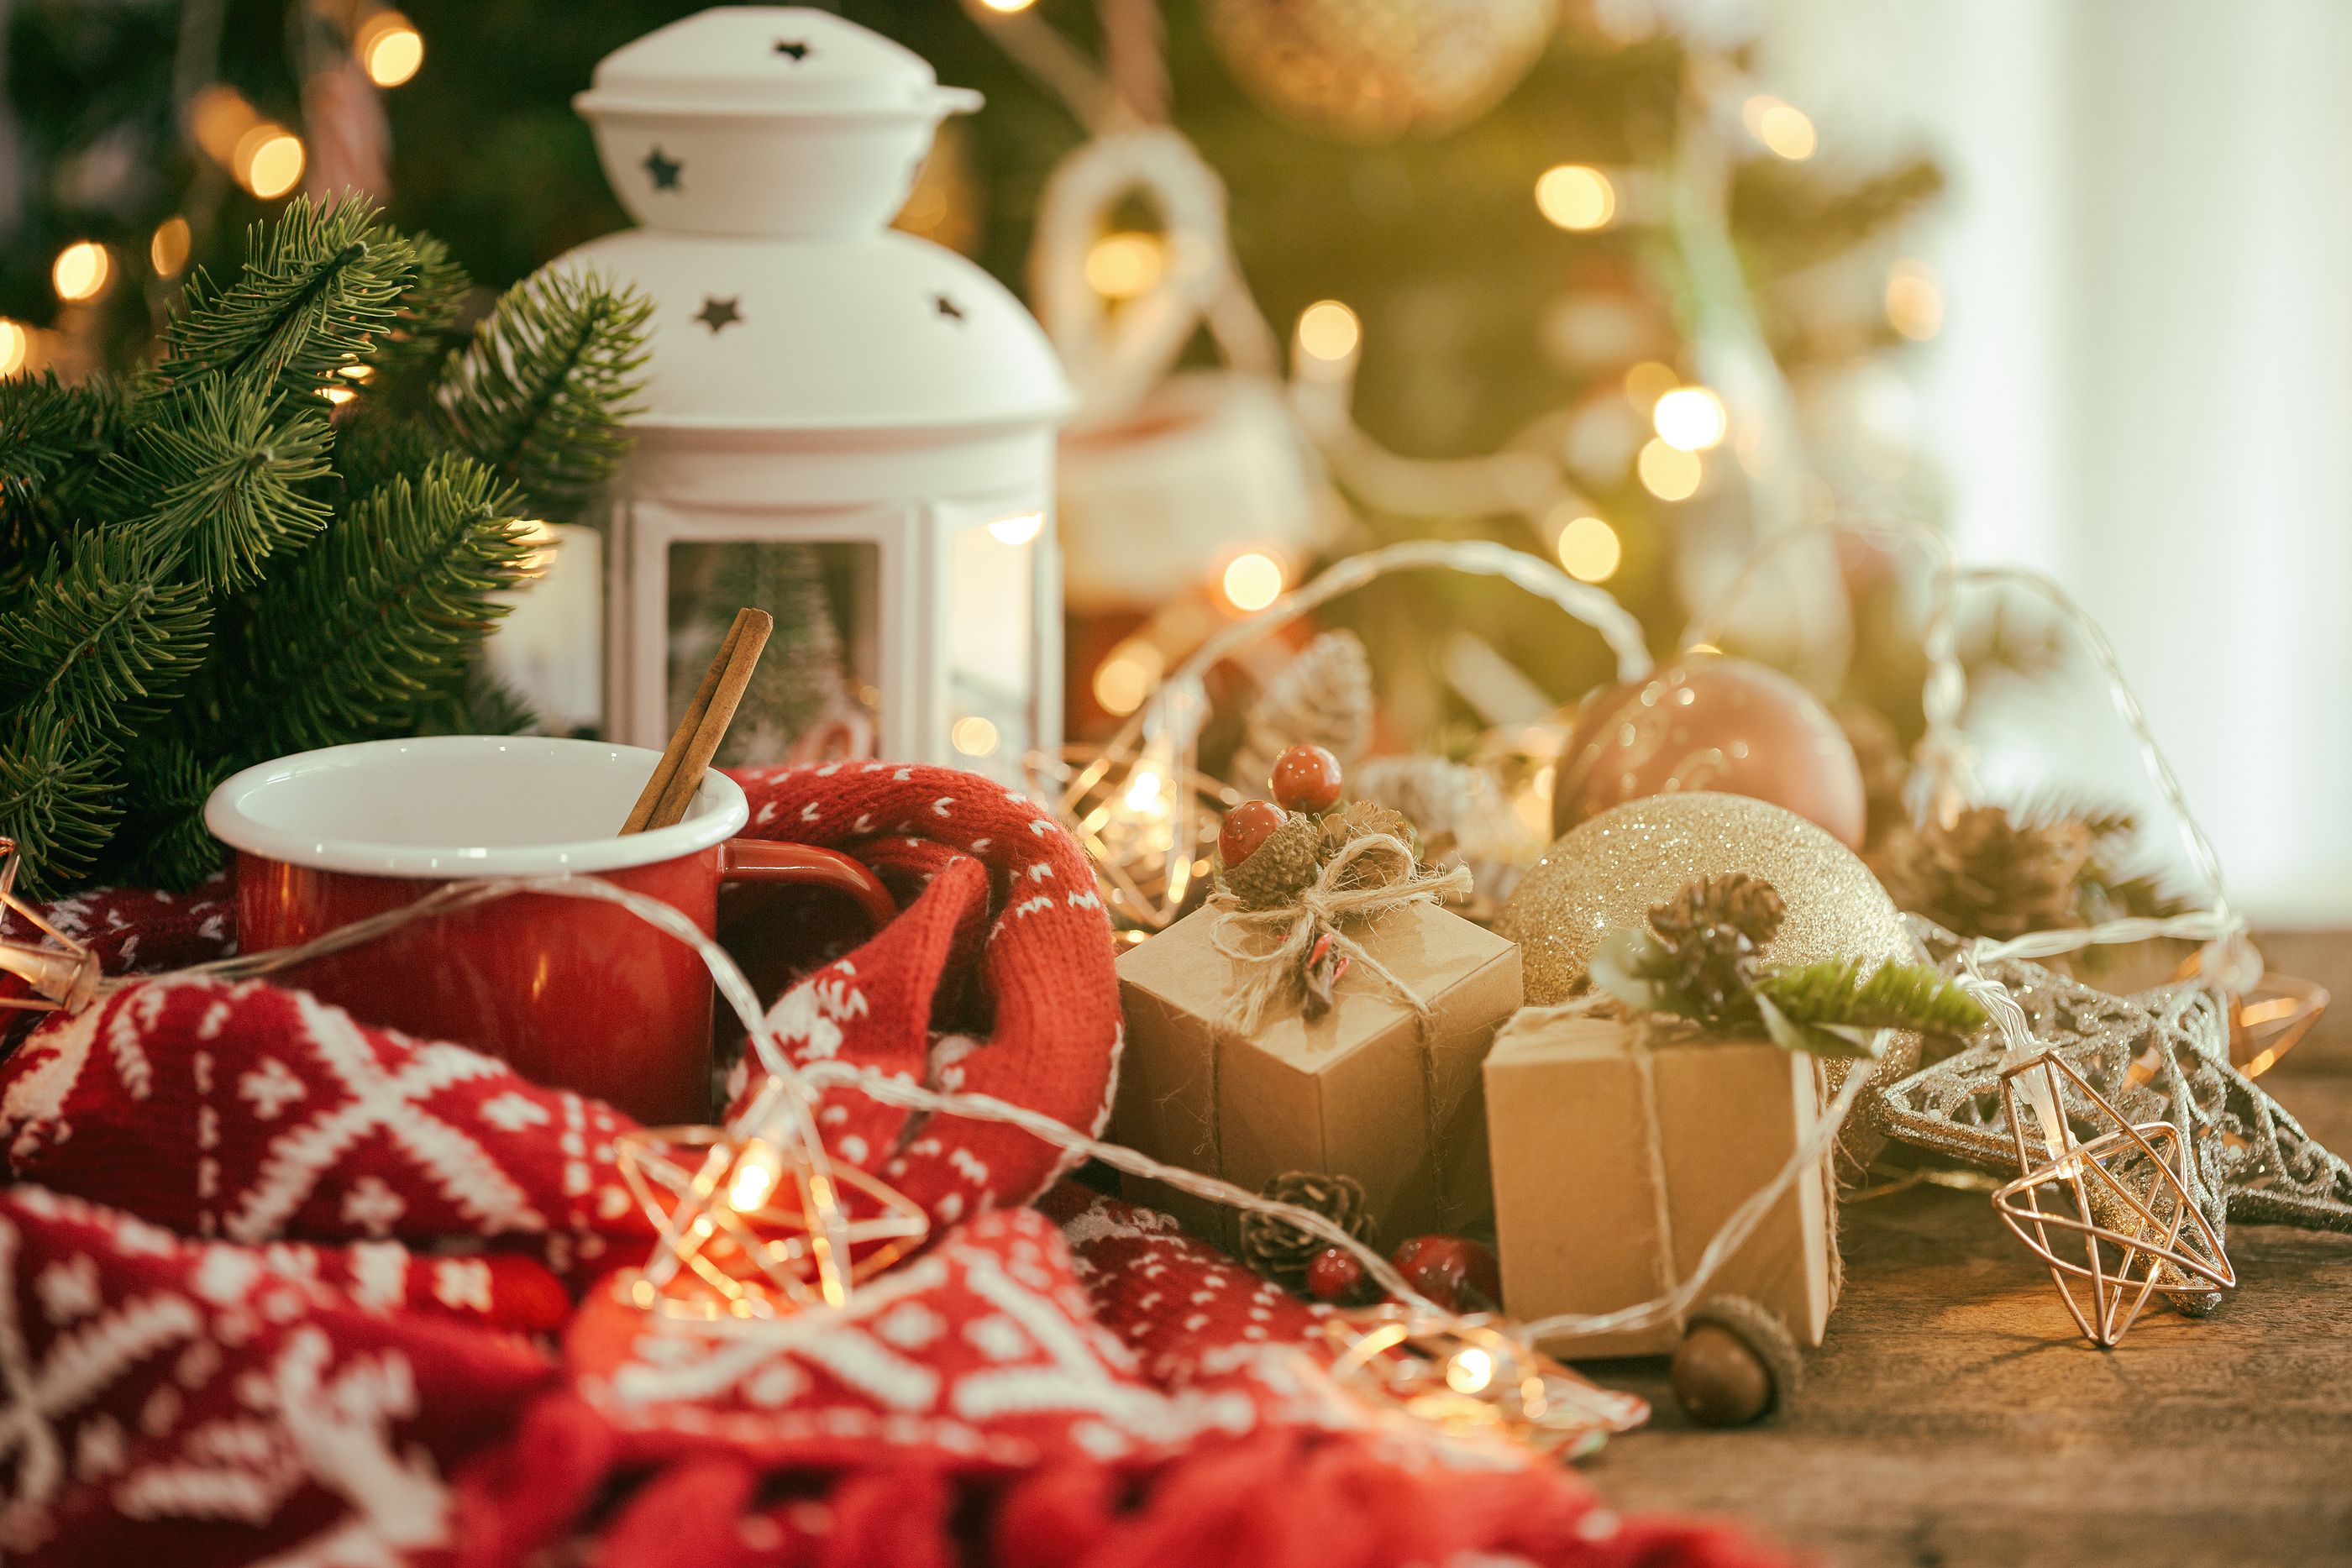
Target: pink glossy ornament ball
1711	722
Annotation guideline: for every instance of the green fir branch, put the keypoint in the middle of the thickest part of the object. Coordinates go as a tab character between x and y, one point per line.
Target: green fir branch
374	625
319	286
53	440
539	395
57	784
424	314
1842	993
163	840
218	479
99	639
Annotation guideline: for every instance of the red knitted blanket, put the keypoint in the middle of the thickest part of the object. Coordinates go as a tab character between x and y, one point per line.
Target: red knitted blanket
276	1286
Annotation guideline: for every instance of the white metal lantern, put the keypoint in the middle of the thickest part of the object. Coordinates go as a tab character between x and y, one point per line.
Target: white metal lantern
873	413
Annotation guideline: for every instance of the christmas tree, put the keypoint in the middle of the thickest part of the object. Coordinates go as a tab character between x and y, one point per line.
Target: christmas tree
284	534
1602	294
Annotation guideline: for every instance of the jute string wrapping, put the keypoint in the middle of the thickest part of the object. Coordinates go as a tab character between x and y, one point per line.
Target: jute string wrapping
1369	877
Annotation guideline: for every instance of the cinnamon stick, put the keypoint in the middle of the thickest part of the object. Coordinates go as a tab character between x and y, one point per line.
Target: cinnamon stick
679	774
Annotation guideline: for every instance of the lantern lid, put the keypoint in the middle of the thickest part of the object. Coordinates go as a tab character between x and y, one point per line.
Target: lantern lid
881	334
770	60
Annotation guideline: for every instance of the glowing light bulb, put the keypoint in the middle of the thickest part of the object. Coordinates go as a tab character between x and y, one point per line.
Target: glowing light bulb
338	395
389	47
268	161
1914	300
1782	127
167	249
1252	581
756	1170
1017	530
1590	551
1125	266
1124	679
81	271
1470	1371
1691	418
1329	332
1574	197
15	346
1143	790
1669	472
219	116
1648	381
535	533
973	736
1007	7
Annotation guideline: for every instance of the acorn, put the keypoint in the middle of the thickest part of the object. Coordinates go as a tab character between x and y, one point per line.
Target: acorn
1281	866
1246	826
1736	1364
1454	1271
1307	779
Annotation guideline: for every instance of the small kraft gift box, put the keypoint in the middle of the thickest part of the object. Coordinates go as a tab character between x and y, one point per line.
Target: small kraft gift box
1369	1086
1620	1146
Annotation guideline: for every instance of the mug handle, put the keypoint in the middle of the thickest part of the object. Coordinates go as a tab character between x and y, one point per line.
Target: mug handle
805	865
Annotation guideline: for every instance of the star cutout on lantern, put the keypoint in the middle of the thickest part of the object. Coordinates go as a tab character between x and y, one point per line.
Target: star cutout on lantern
946	306
663	170
793	49
717	313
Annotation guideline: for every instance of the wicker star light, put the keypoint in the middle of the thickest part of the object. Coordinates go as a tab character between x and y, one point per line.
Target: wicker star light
64	973
761	1222
2134	1223
2156	1056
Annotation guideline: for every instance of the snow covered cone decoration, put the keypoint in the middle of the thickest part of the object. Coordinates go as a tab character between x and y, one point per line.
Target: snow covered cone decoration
851	427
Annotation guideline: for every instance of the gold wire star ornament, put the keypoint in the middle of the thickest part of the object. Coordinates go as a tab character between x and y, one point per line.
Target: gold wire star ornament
1465	1375
756	1225
64	975
2138	1228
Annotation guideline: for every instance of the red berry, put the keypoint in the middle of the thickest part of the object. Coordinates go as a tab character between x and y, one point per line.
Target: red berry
1337	1276
1452	1271
1307	779
1248	825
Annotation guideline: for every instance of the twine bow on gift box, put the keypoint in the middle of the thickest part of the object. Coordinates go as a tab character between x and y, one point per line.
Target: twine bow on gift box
1302	945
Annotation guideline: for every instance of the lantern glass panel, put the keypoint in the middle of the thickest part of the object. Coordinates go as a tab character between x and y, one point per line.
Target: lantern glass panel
814	696
992	644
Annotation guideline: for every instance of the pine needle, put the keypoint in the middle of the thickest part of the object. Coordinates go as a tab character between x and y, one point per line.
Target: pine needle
99	639
321	284
225	480
1838	992
373	624
539	395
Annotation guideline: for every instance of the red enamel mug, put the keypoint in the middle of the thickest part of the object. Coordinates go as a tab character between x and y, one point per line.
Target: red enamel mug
572	991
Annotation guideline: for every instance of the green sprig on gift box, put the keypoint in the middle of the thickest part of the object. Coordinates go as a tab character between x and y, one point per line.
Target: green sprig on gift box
288	532
1700	958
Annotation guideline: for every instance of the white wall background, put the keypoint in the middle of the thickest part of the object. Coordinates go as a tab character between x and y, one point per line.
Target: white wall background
2143	382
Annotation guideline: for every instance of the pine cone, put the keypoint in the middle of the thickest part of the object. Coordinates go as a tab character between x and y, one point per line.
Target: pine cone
1988	874
1323	697
1361	818
1281	868
1715	930
1279	1249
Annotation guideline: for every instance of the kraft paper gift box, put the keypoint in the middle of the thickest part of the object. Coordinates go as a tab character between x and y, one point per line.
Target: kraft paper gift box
1578	1182
1368	1090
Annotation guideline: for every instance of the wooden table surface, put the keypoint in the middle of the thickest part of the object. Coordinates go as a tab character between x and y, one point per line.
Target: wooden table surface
1954	1417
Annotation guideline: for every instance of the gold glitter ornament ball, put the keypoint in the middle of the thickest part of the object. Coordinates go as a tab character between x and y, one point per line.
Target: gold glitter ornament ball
1607	872
1374	70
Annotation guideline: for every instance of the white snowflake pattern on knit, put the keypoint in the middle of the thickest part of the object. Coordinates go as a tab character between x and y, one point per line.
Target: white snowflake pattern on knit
389	1103
271	1088
512	1113
810	1015
373	1206
68	1290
